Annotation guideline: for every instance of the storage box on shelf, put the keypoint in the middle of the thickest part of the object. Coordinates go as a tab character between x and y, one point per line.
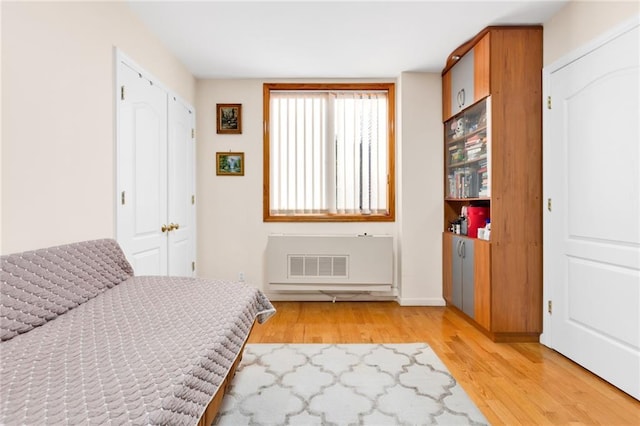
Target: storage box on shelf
493	160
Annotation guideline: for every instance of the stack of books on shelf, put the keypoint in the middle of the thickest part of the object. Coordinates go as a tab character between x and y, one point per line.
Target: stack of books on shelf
463	183
456	183
476	147
483	178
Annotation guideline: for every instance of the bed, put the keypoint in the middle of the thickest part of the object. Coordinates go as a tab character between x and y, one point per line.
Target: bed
83	340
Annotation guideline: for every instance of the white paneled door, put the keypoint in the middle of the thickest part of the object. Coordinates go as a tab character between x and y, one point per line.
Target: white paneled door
142	173
155	206
592	223
181	184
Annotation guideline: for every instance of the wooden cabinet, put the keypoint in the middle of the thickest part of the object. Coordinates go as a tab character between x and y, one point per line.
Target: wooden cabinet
495	160
467	78
467	275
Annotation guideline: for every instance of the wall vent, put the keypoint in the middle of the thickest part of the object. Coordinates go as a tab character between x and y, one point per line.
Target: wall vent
316	266
353	263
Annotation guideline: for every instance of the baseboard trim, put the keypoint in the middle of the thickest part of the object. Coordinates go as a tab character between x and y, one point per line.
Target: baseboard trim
328	297
431	301
352	297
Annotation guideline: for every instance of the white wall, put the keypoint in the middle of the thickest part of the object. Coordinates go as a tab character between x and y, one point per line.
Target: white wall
58	170
231	234
580	22
420	189
1	133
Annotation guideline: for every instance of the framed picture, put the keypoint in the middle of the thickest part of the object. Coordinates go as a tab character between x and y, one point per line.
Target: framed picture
229	118
230	163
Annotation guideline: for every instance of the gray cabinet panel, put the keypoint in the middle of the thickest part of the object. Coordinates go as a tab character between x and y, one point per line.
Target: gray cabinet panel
462	83
456	273
462	274
468	278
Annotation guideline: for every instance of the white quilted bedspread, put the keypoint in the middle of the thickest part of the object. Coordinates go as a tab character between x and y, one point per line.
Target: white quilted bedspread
151	350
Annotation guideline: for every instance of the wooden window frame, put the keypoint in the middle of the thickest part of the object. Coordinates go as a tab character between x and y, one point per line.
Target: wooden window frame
329	217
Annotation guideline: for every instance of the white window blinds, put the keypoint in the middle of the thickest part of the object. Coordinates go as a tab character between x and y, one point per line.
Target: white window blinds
328	152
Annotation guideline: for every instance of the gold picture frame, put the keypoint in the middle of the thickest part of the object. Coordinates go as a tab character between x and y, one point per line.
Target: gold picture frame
229	118
230	163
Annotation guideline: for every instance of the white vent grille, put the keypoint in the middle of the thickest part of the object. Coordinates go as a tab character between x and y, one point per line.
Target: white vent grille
311	266
329	263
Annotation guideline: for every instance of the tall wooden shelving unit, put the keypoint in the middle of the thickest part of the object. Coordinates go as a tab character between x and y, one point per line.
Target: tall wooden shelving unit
506	74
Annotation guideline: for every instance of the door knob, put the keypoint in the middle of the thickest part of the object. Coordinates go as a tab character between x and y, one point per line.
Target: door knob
173	226
165	228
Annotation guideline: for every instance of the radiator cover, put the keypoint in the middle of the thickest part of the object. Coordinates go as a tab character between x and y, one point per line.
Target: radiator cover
330	263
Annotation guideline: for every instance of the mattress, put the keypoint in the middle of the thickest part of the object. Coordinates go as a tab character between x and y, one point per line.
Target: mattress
151	350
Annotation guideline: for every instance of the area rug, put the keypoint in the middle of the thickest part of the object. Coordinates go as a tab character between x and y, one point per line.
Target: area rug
355	384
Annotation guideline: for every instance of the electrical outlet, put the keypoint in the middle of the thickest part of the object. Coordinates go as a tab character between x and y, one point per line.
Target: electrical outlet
241	277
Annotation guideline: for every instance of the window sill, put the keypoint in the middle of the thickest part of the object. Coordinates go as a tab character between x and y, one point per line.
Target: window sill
330	218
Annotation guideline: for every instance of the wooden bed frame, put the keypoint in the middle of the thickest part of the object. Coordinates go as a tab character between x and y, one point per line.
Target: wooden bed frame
214	405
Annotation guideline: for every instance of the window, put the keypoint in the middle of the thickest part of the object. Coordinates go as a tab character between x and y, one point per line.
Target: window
329	152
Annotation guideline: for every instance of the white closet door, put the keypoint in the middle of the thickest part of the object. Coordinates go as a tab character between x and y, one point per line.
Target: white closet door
592	233
142	172
181	160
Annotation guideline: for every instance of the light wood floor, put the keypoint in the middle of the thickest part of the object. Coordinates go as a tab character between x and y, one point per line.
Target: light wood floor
511	383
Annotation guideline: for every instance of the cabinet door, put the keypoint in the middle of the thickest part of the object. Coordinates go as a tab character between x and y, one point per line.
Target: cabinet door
468	81
462	83
447	267
462	275
468	281
467	153
481	68
456	272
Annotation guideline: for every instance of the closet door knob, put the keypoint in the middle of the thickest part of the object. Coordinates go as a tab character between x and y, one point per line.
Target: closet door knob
165	228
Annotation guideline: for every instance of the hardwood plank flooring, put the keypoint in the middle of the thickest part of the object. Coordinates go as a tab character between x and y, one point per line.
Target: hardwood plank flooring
511	383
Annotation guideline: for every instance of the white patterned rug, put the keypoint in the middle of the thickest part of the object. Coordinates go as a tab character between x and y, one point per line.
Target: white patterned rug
355	384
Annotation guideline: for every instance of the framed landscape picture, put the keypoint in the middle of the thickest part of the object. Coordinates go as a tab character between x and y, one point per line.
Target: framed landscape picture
229	118
230	163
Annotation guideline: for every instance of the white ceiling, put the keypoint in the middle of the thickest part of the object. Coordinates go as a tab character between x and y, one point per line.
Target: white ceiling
325	39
